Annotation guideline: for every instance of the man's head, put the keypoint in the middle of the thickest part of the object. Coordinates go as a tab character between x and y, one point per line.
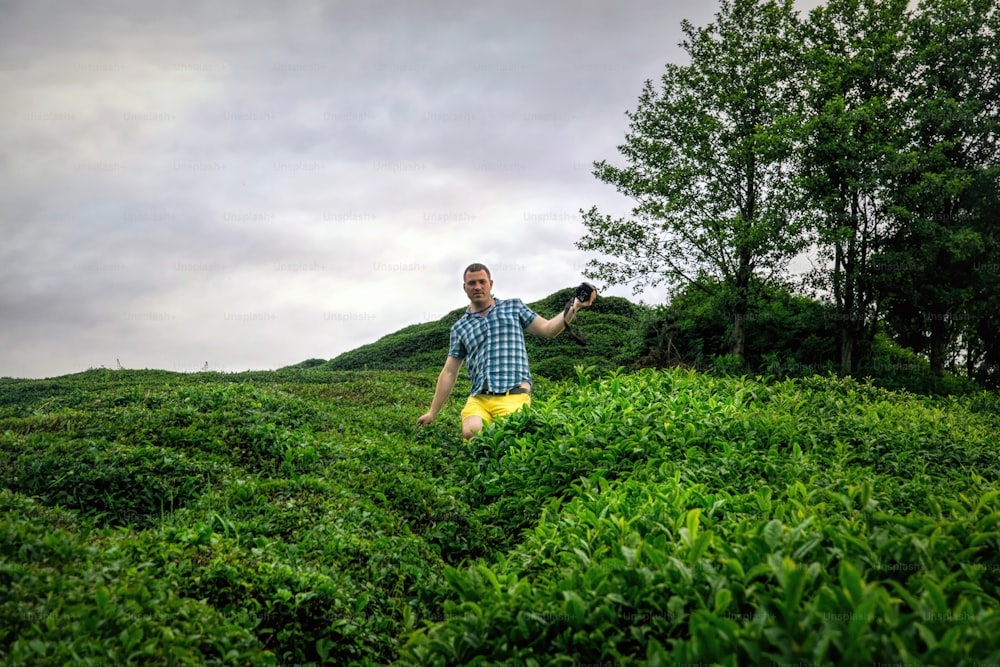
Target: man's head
478	284
476	268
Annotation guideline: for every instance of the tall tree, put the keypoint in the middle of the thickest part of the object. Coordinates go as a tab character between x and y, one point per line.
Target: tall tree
982	334
979	330
946	177
708	163
853	52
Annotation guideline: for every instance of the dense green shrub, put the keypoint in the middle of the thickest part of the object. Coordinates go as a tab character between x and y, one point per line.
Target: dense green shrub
671	518
896	367
67	598
787	335
301	516
115	484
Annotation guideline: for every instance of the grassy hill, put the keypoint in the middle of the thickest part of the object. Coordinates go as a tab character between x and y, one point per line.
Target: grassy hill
301	517
607	325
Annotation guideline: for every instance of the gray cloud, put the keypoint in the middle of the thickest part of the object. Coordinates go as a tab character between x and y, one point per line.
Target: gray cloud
252	184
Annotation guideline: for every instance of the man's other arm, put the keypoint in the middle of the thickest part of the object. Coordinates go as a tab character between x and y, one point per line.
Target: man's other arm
445	383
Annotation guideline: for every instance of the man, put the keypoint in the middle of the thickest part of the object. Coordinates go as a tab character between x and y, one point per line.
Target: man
490	336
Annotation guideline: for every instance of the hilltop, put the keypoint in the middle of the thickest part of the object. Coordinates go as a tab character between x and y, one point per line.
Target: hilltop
607	324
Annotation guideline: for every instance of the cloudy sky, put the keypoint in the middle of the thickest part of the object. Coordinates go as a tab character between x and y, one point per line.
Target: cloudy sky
251	184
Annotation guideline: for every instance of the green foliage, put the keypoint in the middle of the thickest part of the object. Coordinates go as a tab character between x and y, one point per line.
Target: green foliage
291	511
67	597
113	483
706	161
896	367
300	516
787	335
607	325
668	518
853	61
865	133
942	182
309	363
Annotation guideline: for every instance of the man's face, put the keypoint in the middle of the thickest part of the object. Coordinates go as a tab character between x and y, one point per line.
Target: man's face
478	286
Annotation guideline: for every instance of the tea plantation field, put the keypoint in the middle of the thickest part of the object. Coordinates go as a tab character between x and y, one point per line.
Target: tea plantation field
658	518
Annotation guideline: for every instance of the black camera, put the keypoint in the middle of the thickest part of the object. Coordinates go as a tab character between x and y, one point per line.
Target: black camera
584	291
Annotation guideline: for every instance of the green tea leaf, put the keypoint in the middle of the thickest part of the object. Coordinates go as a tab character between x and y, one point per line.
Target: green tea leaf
700	546
772	533
102	596
656	656
692	522
850	579
573	606
927	635
723	597
628	554
937	597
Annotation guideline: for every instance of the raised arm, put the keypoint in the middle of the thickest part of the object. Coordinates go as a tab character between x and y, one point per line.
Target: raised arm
552	328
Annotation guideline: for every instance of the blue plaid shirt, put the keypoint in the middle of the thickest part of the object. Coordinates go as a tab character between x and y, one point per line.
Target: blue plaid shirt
493	345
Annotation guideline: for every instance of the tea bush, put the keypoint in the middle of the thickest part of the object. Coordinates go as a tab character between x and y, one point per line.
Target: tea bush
666	518
117	484
301	517
64	599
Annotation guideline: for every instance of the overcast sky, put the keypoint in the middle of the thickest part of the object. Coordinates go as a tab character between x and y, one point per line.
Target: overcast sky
251	184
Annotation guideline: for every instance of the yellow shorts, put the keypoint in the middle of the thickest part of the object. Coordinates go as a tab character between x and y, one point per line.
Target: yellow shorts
491	407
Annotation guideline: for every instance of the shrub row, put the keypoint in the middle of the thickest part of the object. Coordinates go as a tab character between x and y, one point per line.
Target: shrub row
665	518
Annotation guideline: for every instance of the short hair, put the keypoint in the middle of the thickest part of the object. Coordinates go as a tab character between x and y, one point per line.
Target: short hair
472	268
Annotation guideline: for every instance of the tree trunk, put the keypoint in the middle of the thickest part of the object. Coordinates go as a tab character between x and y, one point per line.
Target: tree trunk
741	306
847	350
739	333
939	341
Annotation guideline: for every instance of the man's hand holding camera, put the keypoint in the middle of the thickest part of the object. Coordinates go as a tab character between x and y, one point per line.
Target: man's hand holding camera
583	296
